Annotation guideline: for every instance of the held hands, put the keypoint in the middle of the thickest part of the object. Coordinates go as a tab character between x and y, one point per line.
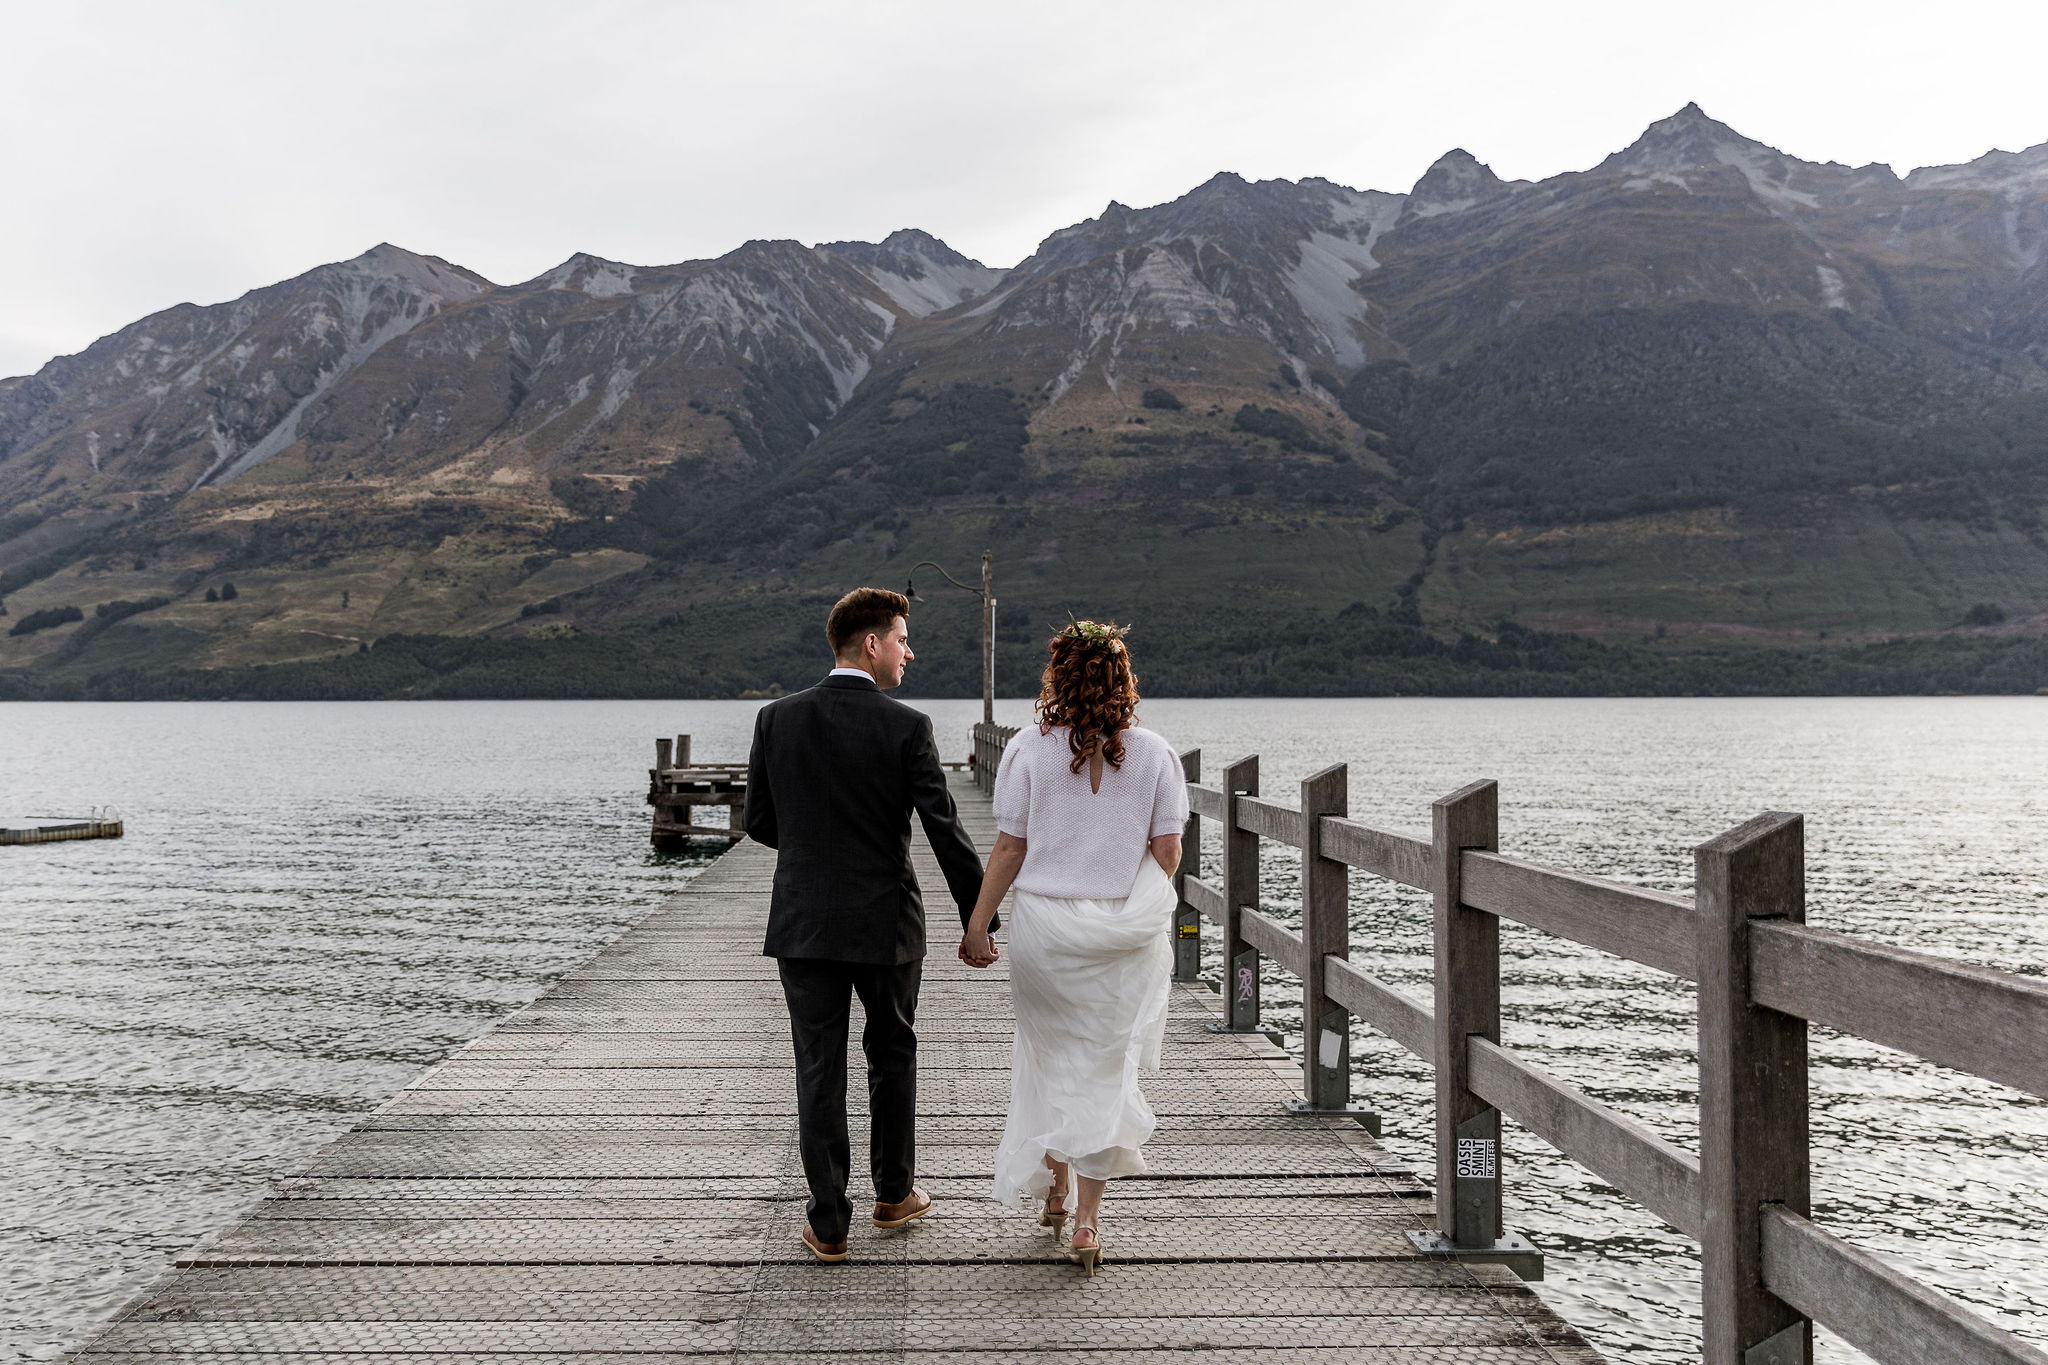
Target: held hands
977	949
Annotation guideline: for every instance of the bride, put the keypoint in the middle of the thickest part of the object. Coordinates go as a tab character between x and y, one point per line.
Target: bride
1089	810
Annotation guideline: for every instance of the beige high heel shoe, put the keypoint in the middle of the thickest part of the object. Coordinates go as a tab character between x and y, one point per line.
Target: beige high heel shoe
1050	1217
1086	1257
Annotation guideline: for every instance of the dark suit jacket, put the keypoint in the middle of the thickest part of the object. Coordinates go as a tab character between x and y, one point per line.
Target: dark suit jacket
834	774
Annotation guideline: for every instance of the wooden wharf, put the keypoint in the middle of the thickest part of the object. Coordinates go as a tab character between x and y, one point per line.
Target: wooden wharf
1768	1271
612	1171
678	789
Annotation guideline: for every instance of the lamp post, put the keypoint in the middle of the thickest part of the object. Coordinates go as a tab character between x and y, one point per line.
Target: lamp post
987	593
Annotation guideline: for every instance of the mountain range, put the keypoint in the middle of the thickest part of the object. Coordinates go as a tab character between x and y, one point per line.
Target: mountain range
1704	407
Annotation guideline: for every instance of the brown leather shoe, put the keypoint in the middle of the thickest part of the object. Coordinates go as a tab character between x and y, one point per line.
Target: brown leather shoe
824	1251
916	1204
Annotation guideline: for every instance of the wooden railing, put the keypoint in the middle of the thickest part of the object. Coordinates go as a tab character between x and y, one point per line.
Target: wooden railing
1767	1271
989	742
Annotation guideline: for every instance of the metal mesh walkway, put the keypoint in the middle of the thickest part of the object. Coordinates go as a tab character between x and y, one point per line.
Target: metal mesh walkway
612	1172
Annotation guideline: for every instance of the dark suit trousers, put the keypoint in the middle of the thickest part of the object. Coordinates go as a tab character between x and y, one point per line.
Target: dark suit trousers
819	994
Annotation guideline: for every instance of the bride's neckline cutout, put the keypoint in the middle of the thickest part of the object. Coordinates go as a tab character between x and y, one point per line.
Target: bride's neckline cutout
1095	772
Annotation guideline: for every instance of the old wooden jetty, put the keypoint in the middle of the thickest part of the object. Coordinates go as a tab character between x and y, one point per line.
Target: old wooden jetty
678	789
57	829
613	1170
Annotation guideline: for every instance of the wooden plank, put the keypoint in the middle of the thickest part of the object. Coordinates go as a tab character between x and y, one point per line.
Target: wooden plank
1398	857
1655	928
1401	1017
1956	1014
1206	897
1875	1308
1283	824
1753	1115
1273	940
1621	1151
1206	802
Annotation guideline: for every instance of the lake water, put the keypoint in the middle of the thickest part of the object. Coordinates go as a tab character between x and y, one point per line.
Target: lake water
314	902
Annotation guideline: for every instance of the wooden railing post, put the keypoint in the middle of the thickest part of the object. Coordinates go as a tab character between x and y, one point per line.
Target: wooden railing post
682	751
1240	880
661	755
1325	933
1468	1155
1467	1004
1753	1115
1187	920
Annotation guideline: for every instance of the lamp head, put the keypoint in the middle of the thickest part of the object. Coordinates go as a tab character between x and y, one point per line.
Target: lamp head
910	591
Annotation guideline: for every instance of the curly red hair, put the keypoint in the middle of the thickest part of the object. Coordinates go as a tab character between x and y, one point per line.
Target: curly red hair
1089	688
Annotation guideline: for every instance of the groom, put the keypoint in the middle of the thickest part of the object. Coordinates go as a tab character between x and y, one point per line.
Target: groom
834	774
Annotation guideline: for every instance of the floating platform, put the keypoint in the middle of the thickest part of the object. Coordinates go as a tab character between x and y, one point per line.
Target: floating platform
50	829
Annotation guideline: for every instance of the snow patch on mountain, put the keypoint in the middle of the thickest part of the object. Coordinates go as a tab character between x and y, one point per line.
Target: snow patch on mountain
1832	294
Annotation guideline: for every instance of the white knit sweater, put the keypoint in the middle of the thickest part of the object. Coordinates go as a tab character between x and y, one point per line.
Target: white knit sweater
1083	844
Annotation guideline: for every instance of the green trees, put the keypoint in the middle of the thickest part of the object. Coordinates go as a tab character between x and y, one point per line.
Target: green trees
45	619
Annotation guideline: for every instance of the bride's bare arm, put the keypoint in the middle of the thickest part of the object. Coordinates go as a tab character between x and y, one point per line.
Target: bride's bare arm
1166	852
977	949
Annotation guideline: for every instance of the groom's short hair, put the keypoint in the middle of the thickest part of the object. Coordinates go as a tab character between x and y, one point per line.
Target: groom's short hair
860	612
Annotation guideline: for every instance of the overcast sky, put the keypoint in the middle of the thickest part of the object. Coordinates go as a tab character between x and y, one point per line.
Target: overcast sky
167	152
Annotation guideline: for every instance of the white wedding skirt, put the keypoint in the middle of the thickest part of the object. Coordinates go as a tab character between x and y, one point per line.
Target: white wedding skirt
1089	980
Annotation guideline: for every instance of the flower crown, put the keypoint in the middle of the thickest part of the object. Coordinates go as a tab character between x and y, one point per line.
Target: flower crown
1092	632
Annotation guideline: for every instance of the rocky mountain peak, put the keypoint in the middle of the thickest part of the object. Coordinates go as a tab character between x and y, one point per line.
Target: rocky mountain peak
2005	171
1454	182
919	273
584	273
918	242
1222	185
1687	140
429	274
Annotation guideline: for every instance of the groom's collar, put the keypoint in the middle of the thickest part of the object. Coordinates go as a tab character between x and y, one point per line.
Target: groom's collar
848	677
